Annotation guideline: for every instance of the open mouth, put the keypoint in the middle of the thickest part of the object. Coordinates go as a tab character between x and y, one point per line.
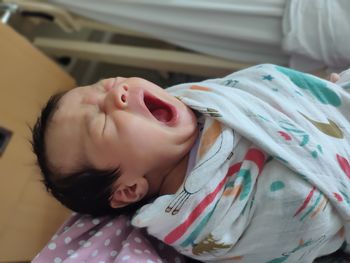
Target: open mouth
160	110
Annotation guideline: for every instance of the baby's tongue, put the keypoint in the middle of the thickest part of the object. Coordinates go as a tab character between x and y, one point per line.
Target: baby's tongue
161	114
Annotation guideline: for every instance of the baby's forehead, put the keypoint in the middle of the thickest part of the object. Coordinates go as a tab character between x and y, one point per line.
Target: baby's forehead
71	107
71	101
64	138
75	94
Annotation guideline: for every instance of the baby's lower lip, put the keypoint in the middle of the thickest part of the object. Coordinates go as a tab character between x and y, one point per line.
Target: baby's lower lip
175	116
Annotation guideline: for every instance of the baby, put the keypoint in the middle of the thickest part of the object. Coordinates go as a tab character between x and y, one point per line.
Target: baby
113	143
252	167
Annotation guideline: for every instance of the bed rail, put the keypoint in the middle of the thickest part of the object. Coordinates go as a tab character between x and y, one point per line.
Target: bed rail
6	10
151	58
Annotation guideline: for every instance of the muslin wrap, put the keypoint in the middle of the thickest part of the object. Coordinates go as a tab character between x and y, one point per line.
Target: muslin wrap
268	179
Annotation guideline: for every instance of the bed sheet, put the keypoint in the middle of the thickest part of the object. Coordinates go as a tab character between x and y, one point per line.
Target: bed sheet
247	31
317	33
85	239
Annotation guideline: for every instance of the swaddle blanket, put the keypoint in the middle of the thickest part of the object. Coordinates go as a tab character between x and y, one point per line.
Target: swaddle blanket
269	178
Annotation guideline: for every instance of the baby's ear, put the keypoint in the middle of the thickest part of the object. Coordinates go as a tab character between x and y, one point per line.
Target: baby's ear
129	193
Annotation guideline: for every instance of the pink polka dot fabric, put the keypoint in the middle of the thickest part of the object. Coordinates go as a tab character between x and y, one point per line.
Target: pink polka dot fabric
86	239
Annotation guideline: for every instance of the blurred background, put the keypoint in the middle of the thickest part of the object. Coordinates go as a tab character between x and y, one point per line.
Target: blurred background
40	25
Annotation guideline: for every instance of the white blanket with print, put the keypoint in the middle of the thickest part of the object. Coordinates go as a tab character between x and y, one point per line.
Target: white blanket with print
269	178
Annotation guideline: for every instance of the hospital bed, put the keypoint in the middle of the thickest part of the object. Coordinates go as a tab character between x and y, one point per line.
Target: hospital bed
168	58
305	35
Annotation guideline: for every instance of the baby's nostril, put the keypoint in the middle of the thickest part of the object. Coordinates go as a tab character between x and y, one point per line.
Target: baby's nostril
123	98
125	88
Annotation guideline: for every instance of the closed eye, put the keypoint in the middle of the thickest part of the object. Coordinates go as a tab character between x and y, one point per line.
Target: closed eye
104	124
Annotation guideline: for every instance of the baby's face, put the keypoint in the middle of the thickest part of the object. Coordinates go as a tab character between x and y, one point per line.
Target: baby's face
128	123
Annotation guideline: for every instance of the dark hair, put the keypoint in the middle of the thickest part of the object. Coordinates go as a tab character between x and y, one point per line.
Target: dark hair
85	191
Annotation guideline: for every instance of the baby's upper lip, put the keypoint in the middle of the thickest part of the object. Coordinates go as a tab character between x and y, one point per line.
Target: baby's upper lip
160	110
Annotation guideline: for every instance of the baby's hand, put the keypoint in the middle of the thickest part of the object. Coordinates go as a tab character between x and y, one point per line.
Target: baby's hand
341	78
334	77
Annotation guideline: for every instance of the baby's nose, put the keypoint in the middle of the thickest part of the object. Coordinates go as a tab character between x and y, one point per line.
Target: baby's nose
122	96
117	97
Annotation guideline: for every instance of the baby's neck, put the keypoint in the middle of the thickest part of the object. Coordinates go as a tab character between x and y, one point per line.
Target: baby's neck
175	178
